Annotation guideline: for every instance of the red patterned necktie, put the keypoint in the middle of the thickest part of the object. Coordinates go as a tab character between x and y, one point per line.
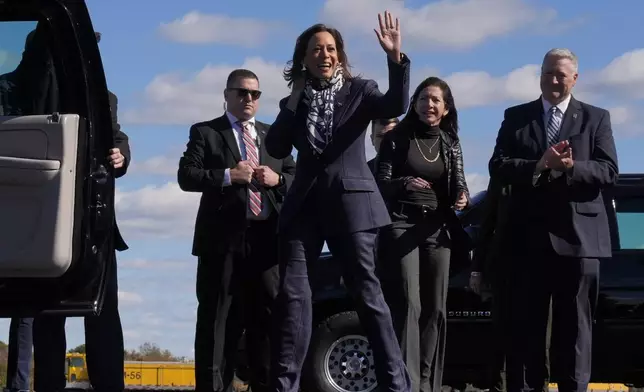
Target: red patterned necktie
252	155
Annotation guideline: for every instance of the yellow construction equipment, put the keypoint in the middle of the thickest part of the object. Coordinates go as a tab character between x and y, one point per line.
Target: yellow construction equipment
166	376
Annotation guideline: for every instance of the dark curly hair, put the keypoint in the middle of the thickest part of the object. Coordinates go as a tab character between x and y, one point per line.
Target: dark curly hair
293	70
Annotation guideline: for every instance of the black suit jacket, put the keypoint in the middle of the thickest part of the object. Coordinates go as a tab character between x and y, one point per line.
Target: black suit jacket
338	183
121	142
565	209
488	252
372	166
211	149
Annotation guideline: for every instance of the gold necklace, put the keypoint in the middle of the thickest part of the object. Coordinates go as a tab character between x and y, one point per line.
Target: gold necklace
430	150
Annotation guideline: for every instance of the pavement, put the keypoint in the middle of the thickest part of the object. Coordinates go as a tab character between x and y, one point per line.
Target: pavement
240	386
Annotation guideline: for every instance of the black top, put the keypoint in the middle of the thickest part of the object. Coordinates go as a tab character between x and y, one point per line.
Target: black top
424	160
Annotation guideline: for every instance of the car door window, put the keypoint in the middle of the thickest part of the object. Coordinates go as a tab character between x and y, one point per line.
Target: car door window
630	223
38	158
625	269
56	197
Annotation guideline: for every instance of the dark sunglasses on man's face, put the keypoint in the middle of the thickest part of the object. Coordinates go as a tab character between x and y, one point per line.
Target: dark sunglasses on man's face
243	92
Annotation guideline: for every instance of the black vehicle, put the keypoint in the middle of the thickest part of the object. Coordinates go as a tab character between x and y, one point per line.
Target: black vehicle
340	359
56	187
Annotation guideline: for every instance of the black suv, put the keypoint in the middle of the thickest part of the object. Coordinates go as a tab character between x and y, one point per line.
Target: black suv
620	318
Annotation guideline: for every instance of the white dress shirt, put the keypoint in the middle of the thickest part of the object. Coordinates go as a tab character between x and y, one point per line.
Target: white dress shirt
239	135
562	106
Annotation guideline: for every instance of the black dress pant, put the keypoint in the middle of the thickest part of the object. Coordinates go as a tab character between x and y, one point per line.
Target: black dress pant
235	291
415	260
572	286
501	296
103	340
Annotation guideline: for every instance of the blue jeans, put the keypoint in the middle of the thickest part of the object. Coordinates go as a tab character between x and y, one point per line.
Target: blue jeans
20	354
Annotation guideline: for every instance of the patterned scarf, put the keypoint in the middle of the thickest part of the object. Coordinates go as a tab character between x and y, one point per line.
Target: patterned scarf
319	96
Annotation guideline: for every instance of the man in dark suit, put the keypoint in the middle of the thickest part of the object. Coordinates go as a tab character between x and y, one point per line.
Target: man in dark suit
490	265
103	333
378	130
235	234
557	154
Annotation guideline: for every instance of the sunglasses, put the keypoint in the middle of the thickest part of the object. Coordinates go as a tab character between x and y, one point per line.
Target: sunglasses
243	92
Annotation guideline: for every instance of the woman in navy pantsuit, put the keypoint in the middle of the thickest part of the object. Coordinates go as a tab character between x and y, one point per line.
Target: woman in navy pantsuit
334	196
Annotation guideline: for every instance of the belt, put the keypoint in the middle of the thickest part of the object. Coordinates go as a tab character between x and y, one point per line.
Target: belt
416	210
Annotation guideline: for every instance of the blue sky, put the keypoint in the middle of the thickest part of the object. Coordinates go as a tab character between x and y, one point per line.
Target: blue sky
168	64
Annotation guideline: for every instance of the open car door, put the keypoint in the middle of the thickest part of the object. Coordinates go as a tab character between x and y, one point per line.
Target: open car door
56	187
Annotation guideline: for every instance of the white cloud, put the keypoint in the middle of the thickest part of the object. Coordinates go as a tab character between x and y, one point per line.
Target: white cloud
456	24
151	264
174	98
198	28
165	165
476	182
157	211
478	88
620	115
8	61
129	298
625	121
624	73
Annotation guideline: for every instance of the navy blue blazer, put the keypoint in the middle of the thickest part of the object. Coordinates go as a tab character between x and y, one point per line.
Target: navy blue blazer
566	208
337	186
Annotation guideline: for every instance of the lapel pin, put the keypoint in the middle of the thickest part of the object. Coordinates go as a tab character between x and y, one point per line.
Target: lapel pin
574	116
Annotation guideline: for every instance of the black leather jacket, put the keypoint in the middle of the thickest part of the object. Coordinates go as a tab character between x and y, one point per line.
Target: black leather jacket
393	156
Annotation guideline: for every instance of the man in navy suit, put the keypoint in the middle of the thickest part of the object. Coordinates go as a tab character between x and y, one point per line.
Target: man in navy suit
558	154
334	196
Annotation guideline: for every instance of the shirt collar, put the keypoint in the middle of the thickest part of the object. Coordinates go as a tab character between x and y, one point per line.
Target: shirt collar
562	106
233	120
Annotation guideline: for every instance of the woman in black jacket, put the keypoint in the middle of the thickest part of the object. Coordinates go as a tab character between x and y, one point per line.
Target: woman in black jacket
420	174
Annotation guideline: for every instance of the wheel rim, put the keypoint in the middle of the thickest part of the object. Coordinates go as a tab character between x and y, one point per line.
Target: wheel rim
349	365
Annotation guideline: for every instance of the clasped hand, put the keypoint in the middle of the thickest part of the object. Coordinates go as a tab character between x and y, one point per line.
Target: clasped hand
557	157
244	173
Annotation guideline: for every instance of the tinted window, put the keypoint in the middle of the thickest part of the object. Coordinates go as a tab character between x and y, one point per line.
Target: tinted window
27	77
630	223
77	362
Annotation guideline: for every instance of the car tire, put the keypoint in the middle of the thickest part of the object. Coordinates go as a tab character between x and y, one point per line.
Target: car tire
340	358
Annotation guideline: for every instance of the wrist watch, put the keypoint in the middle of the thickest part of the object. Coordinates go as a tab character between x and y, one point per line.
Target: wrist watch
281	180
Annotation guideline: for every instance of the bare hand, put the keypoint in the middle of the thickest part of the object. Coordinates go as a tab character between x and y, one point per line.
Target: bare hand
461	202
389	35
557	157
242	173
567	160
417	184
475	283
115	158
266	177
